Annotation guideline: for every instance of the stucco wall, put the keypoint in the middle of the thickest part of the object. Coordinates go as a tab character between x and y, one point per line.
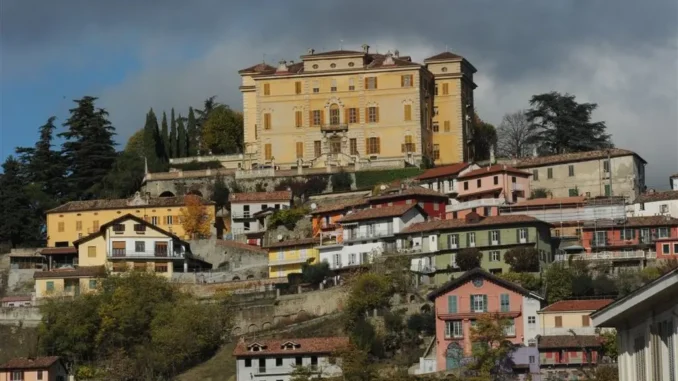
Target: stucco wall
27	316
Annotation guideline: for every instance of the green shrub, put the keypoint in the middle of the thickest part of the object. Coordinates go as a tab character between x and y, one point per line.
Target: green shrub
341	181
287	217
316	273
469	259
198	165
368	179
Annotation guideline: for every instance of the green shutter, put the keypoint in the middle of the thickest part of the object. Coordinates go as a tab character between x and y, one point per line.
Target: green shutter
50	285
468	240
471	301
505	303
485	303
499	237
443	241
452	304
489	237
518	235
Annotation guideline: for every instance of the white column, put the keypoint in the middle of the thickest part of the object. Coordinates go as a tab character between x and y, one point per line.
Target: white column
185	265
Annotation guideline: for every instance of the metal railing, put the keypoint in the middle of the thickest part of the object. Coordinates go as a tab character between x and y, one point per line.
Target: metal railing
517	187
119	253
426	269
608	255
474	204
353	235
334	127
559	331
288	261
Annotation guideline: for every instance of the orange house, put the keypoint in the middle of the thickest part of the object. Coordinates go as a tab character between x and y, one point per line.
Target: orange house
49	368
325	217
631	235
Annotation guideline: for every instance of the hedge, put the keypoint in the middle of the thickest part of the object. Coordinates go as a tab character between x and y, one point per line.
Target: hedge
198	165
368	179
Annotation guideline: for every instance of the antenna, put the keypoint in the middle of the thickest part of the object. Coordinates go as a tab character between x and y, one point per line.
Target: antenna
263	58
341	44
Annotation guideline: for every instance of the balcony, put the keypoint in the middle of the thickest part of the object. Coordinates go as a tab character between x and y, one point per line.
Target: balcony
334	127
358	235
517	187
241	215
559	331
120	253
475	204
467	313
288	261
426	269
611	255
411	250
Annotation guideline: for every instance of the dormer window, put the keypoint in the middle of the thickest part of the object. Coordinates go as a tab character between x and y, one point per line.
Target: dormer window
256	347
289	346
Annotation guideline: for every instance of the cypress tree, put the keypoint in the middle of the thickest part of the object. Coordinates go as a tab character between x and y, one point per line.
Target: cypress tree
164	134
173	136
152	142
182	143
89	149
192	138
18	223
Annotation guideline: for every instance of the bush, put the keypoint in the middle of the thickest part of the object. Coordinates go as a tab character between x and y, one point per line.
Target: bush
341	181
287	217
368	179
469	259
525	280
540	193
422	323
522	259
304	188
316	273
198	165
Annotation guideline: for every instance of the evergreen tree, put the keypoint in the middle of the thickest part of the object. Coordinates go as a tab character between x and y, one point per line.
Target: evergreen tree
192	138
173	136
89	149
153	148
222	133
209	105
182	144
164	134
18	224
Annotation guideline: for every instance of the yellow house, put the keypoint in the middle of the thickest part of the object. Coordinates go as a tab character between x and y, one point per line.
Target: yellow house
76	219
565	316
356	108
287	257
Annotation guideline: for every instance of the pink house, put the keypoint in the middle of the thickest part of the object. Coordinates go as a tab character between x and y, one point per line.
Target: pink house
459	302
484	190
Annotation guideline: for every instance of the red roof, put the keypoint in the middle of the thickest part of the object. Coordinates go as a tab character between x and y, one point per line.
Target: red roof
79	272
411	191
484	191
571	157
375	213
444	171
340	205
485	222
261	196
30	363
313	345
59	250
444	56
568	341
494	169
8	299
577	305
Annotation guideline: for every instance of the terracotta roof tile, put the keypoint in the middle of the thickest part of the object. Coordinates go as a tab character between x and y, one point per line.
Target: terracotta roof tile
444	56
261	196
476	193
22	298
577	305
339	205
444	171
240	245
568	341
658	196
123	203
28	363
334	53
478	272
59	250
572	157
411	191
550	201
375	213
462	224
82	271
294	242
674	175
314	345
648	221
258	68
493	169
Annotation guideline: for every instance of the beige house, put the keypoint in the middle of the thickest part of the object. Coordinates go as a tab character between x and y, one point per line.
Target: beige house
603	173
567	316
49	368
356	108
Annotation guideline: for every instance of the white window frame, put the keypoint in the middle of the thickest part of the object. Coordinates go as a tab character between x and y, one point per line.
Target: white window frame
170	220
478	303
472	239
453	241
454	329
510	330
494	256
154	220
494	237
522	235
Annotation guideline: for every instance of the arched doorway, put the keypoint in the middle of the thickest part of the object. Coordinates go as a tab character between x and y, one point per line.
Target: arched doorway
453	356
166	194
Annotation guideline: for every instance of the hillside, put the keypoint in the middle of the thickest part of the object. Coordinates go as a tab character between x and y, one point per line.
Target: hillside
17	342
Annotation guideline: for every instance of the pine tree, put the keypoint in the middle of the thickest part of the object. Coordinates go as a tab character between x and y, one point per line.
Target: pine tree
89	149
182	143
173	136
192	138
18	224
164	134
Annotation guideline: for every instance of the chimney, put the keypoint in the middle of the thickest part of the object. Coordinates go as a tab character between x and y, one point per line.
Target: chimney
311	50
291	62
534	152
366	48
396	53
282	66
492	158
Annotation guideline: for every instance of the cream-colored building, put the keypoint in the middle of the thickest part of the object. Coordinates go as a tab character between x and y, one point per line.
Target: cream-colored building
356	108
567	316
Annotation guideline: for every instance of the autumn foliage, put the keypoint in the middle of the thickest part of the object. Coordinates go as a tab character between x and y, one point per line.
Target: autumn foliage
195	219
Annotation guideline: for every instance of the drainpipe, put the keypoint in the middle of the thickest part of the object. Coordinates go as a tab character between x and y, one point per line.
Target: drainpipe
609	166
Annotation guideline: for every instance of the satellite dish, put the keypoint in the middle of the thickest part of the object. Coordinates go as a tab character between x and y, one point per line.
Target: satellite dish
382	187
314	206
280	237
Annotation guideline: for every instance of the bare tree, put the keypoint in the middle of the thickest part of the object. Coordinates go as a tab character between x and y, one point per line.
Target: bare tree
514	135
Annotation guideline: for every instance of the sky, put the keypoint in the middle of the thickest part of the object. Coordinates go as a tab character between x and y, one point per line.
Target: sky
137	54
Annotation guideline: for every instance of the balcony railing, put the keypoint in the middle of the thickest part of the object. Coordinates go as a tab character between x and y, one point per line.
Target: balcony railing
411	250
609	255
241	215
474	204
143	254
559	331
426	269
354	235
288	261
334	127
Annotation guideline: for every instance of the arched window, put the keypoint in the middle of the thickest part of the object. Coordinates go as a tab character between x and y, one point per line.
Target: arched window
334	114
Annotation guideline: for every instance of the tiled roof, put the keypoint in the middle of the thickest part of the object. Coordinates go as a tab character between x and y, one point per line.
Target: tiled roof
339	205
59	250
375	213
444	171
476	193
122	218
630	222
261	196
258	68
411	191
550	201
82	271
577	305
568	341
334	53
658	196
122	203
294	242
240	246
313	345
444	56
494	169
674	175
475	273
22	298
485	222
572	157
29	363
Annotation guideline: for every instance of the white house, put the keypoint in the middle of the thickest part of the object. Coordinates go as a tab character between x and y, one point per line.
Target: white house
275	360
368	233
673	180
444	179
655	204
647	330
248	212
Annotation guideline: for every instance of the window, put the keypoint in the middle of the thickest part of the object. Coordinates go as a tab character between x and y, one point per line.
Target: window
573	192
522	235
351	83
663	232
446	88
371	83
372	114
585	321
496	180
333	87
267	121
154	220
92	284
409	145
78	226
606	166
549	173
642	206
570	170
297	87
316	87
139	228
471	239
533	359
300	150
298	361
169	220
465	185
453	241
317	148
531	320
314	361
17	375
139	246
279	361
436	127
436	152
268	155
608	190
248	363
666	248
627	234
334	115
91	251
353	145
352	115
435	91
298	119
408	112
39	375
510	329
373	146
95	225
535	175
453	329
435	110
335	145
316	117
406	80
494	237
479	303
505	303
50	286
494	256
60	227
675	248
664	208
479	183
333	65
446	126
267	89
559	321
160	268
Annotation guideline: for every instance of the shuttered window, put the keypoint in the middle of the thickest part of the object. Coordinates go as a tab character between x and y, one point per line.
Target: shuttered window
409	145
91	251
316	117
300	149
373	146
268	154
408	112
317	148
406	80
371	83
452	304
267	89
267	121
352	115
446	126
298	120
372	114
505	303
353	143
297	87
446	88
